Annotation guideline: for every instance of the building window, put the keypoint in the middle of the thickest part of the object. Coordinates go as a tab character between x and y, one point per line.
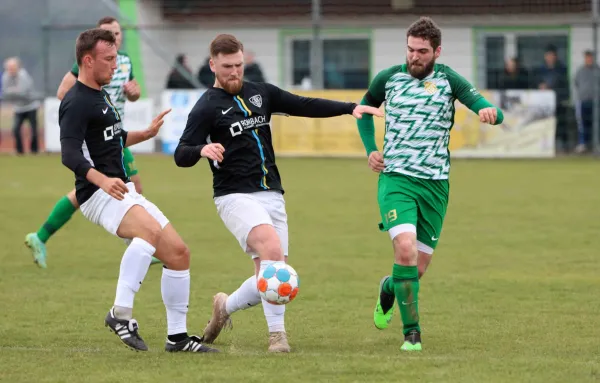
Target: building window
495	46
346	62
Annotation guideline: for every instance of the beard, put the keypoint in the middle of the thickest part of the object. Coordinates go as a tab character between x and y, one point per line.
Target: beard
104	80
420	70
231	86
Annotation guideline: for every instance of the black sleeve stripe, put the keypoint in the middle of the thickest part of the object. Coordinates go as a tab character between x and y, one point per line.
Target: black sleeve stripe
372	100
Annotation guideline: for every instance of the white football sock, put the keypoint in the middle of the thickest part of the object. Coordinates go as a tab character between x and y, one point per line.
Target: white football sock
244	297
273	313
134	266
175	289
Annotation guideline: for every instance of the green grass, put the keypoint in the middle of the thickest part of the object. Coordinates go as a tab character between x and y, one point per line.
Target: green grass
511	295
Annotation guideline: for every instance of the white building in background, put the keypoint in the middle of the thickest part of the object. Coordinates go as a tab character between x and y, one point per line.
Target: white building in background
356	44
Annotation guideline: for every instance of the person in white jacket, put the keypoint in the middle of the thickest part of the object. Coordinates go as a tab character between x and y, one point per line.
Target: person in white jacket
18	89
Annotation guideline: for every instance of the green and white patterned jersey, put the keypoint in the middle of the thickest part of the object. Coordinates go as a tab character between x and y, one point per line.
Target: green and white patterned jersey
419	117
122	75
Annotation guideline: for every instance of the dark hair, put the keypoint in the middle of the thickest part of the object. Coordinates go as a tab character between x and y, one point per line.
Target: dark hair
426	29
87	40
551	48
106	20
225	44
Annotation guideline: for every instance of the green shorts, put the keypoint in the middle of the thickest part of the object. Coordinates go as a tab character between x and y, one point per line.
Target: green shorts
416	201
129	162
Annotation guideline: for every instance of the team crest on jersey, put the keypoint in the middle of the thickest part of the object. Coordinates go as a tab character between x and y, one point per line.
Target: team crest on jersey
124	67
430	87
256	100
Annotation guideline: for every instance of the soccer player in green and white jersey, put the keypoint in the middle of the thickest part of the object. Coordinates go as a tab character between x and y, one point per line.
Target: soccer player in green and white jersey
122	86
413	184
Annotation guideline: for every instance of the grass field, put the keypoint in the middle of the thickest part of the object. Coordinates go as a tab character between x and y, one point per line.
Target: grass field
511	296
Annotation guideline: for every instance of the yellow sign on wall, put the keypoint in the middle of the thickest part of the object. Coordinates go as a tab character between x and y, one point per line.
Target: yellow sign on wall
527	131
335	136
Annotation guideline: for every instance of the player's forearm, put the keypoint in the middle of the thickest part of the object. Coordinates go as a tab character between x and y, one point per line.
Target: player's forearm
72	157
314	107
366	129
187	155
136	137
95	177
483	103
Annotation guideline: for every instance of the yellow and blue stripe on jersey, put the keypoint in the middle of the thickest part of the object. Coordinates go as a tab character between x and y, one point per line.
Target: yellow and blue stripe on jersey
247	113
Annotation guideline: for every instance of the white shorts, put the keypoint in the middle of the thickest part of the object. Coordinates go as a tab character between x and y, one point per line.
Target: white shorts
241	212
108	212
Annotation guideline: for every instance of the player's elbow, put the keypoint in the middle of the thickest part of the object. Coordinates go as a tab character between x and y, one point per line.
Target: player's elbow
182	157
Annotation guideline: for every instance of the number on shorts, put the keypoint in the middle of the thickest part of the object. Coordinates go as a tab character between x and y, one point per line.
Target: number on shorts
391	216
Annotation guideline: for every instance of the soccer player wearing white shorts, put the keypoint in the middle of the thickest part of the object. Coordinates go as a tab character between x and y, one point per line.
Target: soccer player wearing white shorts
230	126
108	198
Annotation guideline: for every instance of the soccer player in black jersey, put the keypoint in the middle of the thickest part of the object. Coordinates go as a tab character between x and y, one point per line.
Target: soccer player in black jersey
108	198
229	125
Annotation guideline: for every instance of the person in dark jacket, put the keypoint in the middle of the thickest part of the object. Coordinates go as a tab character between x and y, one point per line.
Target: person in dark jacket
205	75
252	70
514	76
178	80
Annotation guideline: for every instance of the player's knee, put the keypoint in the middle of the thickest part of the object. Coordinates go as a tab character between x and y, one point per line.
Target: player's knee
73	199
405	249
152	234
182	253
272	251
422	269
176	256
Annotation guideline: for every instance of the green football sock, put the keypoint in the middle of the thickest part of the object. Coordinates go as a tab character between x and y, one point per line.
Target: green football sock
406	288
62	212
388	286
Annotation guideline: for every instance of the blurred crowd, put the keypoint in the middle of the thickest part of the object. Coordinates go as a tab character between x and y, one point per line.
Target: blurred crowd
181	74
574	113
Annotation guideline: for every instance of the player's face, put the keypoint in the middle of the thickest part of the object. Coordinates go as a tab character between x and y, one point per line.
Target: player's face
229	71
104	62
115	28
420	57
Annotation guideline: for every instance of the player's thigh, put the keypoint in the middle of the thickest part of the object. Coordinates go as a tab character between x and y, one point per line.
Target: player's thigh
397	205
126	218
171	249
241	212
433	204
275	205
150	207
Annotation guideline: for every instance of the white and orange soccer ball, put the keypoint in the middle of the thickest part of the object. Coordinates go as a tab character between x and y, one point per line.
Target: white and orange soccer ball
278	283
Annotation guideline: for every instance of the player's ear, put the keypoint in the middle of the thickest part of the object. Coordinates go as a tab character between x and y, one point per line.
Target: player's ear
87	60
211	63
437	51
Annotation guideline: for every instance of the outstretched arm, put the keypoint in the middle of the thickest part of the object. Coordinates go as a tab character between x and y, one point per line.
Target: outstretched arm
294	105
132	138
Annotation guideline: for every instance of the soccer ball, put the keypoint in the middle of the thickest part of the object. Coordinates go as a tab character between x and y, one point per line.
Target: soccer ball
278	283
